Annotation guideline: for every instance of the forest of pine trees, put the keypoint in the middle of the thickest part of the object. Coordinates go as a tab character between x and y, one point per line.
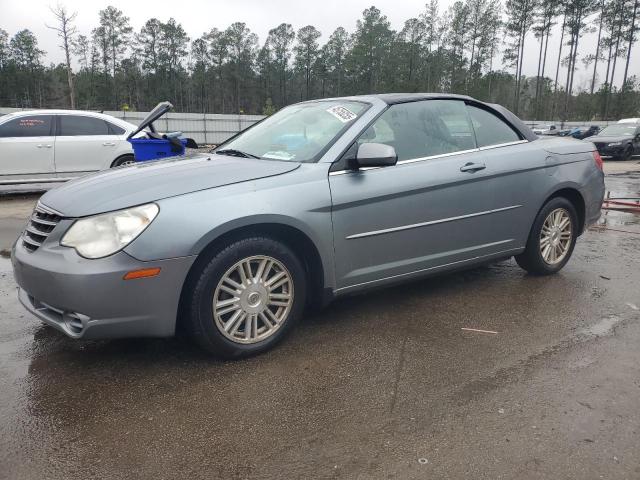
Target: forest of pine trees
475	47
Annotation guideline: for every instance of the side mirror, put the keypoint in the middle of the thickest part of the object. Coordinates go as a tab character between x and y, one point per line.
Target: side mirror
376	155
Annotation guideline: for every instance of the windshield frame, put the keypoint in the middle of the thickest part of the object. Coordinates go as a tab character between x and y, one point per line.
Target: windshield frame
325	149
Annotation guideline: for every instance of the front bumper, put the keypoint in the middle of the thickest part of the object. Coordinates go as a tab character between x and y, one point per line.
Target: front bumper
610	152
90	299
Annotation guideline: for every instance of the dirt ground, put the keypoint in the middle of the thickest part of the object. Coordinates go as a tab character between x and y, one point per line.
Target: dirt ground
382	385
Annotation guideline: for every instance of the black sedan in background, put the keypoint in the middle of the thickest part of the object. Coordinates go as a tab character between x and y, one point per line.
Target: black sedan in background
619	141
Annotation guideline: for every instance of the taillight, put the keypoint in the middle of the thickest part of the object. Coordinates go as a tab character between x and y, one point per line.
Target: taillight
598	159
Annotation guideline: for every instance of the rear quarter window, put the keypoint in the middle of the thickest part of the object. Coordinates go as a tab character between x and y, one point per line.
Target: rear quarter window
490	129
115	129
76	125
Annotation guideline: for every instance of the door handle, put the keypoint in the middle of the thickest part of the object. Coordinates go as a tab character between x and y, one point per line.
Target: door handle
472	167
108	144
44	146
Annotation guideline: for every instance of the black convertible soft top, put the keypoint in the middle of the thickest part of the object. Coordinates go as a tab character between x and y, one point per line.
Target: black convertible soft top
507	115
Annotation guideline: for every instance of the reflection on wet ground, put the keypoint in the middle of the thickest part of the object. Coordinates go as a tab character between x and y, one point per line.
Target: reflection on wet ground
621	187
371	387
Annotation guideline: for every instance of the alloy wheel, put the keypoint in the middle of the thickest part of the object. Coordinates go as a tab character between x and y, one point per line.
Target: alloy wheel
253	299
556	236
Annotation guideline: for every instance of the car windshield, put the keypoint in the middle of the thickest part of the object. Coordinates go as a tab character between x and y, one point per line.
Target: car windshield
615	130
298	133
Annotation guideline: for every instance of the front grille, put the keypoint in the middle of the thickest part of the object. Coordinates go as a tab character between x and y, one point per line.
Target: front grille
42	222
600	145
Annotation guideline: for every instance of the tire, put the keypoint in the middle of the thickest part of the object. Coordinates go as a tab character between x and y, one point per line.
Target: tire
123	160
246	322
539	261
628	153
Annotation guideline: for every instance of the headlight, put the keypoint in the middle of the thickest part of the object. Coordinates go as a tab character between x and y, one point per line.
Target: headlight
103	235
614	144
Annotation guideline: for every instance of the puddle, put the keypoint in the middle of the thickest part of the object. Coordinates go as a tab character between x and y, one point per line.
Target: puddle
603	327
5	264
616	218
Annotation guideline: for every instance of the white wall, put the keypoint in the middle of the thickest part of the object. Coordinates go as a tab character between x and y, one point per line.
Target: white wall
203	128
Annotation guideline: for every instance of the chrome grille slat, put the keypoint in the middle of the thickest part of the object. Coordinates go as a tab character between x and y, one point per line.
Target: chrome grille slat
36	231
31	242
42	222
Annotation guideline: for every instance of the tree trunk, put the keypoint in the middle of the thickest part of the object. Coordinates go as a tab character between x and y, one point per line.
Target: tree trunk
595	61
516	96
630	42
572	43
535	108
544	58
555	87
613	67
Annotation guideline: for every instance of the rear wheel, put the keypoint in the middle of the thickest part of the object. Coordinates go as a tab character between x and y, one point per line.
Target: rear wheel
122	161
247	298
552	238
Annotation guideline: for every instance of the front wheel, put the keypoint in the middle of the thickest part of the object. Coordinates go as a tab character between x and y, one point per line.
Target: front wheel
247	298
123	160
552	238
628	153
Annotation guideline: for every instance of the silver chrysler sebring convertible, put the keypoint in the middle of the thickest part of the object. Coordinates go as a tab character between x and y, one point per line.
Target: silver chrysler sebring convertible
322	199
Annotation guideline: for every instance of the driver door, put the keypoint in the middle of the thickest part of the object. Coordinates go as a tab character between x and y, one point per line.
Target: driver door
427	211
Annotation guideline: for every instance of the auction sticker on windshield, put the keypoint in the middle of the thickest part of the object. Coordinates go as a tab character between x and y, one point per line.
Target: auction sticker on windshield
279	155
341	113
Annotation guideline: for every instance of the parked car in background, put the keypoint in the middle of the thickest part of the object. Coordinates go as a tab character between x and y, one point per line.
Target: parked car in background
57	145
546	130
629	120
583	133
619	141
322	199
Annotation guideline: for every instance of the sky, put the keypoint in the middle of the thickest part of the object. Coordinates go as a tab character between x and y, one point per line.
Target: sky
199	16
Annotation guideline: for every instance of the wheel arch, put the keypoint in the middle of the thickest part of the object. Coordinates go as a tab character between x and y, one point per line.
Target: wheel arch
293	237
115	160
577	200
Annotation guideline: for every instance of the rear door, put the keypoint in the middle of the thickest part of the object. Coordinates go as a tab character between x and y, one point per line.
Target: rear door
430	210
26	145
84	144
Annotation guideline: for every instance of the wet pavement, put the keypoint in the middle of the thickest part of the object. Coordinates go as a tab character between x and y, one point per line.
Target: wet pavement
382	385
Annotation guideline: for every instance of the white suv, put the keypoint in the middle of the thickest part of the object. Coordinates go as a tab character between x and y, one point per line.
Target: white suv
57	145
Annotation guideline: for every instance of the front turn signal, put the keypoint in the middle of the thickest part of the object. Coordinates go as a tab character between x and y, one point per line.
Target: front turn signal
143	273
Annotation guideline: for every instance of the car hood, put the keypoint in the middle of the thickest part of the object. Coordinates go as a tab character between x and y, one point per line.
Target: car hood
617	138
150	181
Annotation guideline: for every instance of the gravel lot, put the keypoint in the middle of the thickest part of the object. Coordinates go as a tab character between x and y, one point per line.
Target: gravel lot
382	385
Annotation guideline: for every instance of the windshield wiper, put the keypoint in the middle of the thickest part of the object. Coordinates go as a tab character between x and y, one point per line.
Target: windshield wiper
235	153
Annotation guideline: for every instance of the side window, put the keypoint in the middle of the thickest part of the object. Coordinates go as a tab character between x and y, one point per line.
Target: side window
76	125
31	126
490	130
115	129
423	129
